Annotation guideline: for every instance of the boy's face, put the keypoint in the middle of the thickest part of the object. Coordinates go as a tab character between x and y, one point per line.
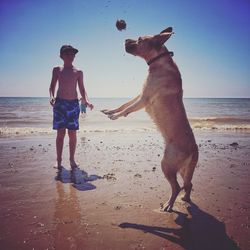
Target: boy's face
68	56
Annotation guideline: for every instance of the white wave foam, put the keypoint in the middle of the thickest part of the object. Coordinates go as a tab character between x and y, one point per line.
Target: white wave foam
48	131
40	131
24	131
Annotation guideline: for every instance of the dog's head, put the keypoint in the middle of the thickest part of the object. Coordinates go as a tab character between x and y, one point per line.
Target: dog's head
148	46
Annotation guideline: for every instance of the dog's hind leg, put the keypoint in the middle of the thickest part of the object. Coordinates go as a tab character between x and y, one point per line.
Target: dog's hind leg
187	175
170	173
187	185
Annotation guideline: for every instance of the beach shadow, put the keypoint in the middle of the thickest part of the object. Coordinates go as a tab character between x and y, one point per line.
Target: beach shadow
78	177
201	231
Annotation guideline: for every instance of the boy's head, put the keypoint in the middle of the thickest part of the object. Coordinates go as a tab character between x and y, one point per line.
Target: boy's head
67	52
67	49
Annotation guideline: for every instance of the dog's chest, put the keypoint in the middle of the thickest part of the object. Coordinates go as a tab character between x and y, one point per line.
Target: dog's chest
155	85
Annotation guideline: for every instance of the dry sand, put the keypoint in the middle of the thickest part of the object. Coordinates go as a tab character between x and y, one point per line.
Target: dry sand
111	202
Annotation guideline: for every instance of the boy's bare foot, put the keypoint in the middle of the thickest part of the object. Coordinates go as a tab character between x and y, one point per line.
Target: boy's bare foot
58	165
73	164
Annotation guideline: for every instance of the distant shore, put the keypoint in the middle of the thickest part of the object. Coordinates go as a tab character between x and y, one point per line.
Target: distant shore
111	202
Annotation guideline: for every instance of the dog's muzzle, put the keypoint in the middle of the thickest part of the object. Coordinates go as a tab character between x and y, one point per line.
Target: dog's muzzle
130	46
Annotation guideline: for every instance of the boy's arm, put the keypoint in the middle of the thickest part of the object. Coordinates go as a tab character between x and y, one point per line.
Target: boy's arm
82	90
81	86
53	85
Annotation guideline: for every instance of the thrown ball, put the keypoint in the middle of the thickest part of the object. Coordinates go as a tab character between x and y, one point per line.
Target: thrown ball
121	25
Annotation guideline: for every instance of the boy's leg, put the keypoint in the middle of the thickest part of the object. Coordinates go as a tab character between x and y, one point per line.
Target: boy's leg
59	145
72	147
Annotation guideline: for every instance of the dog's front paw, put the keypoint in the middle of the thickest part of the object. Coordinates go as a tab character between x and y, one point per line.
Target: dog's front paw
104	111
107	112
113	117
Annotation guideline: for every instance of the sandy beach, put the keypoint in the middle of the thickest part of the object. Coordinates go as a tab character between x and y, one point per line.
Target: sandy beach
112	201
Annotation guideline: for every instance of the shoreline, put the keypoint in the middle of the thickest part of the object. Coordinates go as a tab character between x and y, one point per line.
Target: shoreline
111	202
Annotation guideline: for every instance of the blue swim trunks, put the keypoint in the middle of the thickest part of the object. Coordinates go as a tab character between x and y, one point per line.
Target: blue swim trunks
66	114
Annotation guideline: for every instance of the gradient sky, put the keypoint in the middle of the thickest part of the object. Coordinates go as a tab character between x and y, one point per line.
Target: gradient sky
211	44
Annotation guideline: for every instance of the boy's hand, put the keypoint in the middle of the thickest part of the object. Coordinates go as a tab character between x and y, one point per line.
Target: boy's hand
87	104
52	101
91	106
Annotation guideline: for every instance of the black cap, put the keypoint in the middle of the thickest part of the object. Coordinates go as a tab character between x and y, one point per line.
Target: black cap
67	48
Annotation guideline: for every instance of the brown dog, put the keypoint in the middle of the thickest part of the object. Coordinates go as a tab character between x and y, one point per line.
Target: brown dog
162	99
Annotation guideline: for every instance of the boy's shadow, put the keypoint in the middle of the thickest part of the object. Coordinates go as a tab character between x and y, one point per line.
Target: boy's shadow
201	231
79	178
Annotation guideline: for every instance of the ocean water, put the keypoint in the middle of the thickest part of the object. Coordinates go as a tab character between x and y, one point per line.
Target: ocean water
28	115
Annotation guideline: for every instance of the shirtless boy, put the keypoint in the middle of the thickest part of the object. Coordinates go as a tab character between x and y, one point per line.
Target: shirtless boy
65	105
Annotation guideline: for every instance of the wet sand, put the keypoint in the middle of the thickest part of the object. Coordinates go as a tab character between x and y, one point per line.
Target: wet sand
112	201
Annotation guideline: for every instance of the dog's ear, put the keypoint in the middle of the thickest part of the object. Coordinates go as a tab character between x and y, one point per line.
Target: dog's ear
167	30
161	38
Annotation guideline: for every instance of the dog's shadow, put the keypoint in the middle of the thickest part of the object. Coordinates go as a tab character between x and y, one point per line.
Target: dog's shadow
79	178
201	231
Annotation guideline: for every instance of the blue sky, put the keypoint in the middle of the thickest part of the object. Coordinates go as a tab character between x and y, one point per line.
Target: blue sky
211	44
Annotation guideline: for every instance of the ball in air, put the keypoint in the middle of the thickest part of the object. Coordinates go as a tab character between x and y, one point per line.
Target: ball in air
121	25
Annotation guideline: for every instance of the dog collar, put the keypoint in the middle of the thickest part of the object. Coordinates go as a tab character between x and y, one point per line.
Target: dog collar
171	53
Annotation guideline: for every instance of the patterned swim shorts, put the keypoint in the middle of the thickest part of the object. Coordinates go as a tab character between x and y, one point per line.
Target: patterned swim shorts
66	114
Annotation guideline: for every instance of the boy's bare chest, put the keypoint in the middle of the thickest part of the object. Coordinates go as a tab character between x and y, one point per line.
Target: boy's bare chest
68	76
